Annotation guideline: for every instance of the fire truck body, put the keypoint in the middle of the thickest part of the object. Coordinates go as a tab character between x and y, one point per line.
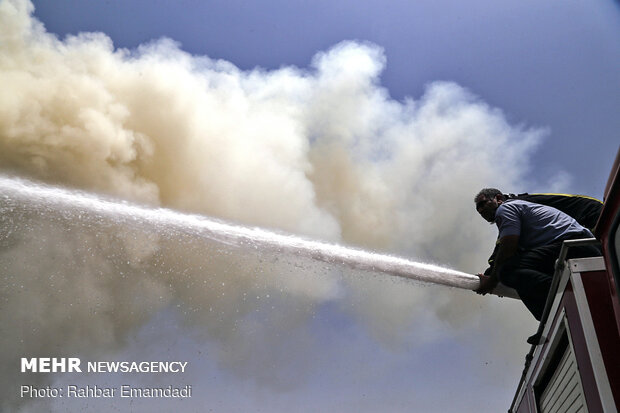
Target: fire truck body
576	365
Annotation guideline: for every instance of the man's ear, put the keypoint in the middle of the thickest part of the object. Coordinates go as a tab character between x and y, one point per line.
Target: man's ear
499	198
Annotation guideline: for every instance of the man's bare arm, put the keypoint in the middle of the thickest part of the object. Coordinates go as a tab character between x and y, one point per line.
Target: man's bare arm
508	246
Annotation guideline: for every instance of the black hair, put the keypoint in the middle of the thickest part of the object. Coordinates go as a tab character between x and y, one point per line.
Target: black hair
488	193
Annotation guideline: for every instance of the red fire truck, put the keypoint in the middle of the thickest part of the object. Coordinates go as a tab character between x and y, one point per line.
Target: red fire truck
576	365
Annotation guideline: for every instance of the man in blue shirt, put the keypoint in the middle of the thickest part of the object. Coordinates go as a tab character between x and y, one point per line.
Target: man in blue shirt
530	239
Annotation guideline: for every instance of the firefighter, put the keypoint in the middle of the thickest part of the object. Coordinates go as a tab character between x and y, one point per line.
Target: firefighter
529	242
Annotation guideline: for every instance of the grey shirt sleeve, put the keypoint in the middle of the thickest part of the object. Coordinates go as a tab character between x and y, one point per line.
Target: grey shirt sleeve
508	219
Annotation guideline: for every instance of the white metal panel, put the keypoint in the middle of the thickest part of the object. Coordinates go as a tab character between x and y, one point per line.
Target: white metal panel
564	392
587	264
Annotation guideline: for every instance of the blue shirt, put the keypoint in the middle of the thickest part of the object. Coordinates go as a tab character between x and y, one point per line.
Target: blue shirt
536	224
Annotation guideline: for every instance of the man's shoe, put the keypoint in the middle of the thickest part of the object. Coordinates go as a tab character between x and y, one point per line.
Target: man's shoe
535	339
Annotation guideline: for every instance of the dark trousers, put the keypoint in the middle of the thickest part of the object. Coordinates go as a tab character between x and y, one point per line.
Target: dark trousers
530	272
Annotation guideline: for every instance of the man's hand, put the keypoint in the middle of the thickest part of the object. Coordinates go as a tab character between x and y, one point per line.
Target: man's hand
487	284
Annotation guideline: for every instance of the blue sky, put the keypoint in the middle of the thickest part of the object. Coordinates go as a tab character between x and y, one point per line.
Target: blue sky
551	67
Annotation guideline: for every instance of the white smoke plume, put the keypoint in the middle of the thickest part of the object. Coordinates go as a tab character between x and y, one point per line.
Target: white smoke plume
323	152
